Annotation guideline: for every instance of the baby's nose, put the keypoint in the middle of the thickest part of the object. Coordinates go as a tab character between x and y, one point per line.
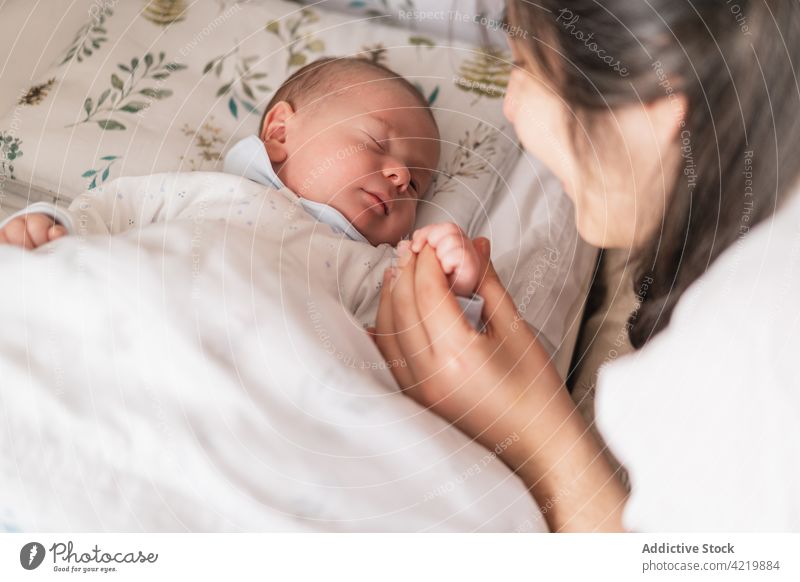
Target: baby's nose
400	177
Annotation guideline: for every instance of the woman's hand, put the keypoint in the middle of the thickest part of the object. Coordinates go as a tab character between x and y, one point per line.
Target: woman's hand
457	254
474	380
495	385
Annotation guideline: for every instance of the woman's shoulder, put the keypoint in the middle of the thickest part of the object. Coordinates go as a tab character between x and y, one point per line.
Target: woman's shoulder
747	300
704	416
758	274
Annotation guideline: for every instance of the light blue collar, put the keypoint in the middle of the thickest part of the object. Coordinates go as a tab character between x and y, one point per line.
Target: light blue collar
249	158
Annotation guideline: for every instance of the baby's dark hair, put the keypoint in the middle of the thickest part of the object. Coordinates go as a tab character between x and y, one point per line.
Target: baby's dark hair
329	74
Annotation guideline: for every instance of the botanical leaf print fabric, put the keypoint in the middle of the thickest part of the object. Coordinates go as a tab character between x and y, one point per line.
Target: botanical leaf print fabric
155	86
130	92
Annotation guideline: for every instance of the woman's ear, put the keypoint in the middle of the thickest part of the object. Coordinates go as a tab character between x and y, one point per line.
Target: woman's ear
274	131
669	114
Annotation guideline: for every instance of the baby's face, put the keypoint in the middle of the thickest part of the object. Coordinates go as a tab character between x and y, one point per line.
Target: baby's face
369	152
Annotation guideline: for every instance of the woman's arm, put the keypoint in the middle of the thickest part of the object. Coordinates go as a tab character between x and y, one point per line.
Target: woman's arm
498	387
565	468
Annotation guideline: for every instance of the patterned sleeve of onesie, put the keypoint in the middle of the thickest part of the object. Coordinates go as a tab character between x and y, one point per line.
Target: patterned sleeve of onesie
130	202
362	275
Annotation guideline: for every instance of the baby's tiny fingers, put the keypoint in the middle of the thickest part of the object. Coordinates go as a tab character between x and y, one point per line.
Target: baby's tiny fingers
450	243
419	238
56	231
433	233
451	260
16	233
443	231
462	275
37	226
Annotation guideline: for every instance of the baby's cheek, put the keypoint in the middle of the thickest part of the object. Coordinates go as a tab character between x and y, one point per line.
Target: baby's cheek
362	164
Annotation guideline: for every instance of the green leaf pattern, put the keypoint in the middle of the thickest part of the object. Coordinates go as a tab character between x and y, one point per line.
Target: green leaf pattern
243	85
91	35
486	74
471	159
430	97
102	173
165	12
135	85
299	43
126	95
9	151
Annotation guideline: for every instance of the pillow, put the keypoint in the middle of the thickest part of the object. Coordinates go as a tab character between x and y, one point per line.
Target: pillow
172	86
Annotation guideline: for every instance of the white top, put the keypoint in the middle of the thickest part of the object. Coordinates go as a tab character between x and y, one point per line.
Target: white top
249	158
706	417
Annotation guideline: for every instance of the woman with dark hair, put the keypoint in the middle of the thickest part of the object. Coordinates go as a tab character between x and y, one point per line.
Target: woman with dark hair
674	126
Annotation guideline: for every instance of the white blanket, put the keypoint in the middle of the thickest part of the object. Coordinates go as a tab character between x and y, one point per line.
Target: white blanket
204	375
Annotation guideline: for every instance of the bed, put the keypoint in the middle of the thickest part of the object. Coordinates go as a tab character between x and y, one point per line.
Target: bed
142	87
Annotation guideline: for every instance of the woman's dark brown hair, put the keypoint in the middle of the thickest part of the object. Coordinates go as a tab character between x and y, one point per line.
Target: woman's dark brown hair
735	62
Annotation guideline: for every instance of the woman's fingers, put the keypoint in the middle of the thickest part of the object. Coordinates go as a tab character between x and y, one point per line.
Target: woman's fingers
386	338
499	312
441	315
410	332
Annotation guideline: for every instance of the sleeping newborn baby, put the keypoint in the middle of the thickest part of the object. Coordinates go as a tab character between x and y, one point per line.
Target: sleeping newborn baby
350	143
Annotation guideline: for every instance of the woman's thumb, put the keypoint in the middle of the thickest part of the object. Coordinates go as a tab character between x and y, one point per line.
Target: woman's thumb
498	309
484	248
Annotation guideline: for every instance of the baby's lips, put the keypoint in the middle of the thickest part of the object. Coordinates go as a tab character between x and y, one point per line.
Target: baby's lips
386	196
380	199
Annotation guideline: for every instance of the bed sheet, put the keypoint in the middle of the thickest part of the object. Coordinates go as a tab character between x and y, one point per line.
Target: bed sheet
546	267
197	376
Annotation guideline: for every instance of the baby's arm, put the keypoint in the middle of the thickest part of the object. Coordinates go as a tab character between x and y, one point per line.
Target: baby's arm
456	254
118	206
105	210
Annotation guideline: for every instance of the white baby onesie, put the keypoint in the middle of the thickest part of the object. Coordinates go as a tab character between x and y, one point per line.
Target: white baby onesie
315	238
249	158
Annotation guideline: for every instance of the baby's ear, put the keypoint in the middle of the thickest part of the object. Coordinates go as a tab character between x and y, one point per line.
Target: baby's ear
273	130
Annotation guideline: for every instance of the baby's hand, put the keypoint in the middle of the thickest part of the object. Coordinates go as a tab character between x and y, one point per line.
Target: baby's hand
456	254
31	231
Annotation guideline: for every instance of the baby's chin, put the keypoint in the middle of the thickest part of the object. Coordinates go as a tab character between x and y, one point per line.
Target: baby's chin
376	237
377	230
393	241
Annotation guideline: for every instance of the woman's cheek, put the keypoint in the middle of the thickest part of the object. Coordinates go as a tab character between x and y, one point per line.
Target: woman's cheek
510	102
